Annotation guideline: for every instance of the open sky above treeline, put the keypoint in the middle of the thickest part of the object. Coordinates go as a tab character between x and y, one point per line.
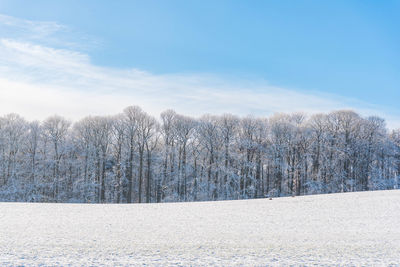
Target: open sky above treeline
77	58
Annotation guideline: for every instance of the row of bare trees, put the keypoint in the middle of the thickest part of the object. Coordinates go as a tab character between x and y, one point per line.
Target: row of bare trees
132	157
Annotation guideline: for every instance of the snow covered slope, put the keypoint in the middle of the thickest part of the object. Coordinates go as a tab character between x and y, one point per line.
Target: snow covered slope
338	229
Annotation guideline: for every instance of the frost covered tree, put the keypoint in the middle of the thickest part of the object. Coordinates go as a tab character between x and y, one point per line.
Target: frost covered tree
55	130
133	157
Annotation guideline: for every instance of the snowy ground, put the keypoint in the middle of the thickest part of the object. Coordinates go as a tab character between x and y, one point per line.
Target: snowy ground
338	229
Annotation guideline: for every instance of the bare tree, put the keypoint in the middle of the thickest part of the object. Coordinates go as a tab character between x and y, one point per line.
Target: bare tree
56	128
132	157
131	125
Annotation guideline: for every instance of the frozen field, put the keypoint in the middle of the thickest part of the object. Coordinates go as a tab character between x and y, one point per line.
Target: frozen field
338	229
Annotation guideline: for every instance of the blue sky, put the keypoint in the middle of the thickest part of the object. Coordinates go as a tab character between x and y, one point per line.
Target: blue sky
330	54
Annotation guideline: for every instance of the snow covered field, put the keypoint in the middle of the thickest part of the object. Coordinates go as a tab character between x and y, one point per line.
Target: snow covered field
338	229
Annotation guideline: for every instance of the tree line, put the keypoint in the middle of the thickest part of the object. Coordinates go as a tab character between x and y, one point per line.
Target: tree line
132	157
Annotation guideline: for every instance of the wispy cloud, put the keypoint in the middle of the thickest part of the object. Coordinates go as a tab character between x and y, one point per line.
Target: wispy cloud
27	28
38	79
47	33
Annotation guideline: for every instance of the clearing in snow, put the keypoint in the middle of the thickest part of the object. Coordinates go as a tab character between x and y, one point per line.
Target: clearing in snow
339	229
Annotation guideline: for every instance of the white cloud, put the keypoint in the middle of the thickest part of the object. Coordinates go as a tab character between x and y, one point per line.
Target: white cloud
48	33
38	80
27	28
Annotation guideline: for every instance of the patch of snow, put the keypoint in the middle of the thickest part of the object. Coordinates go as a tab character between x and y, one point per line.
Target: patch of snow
360	228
